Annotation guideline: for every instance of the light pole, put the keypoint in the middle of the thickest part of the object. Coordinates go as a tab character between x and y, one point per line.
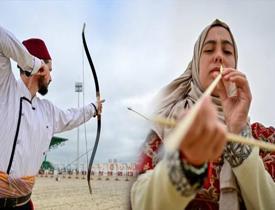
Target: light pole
78	90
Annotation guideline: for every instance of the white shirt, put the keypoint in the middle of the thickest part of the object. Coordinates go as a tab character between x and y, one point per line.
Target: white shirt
38	120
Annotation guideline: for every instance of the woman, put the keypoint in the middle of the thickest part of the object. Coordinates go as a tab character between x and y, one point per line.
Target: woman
205	173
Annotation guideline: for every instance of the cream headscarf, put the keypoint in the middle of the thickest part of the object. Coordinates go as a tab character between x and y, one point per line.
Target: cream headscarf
182	93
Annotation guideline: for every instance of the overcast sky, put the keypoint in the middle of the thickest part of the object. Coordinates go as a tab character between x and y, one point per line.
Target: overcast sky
138	47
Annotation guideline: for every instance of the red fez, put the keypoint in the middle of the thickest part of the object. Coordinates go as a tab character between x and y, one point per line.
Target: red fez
37	48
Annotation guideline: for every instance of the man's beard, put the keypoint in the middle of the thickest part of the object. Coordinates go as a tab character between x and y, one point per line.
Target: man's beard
42	86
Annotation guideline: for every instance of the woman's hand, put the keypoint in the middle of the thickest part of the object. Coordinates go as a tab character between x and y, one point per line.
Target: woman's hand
206	137
235	108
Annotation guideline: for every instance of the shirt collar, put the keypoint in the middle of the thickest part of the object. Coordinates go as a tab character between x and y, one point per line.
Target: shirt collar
24	90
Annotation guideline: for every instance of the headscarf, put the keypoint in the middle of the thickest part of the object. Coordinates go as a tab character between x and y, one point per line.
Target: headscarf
184	91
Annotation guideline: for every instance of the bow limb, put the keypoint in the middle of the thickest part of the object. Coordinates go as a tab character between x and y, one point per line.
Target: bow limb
98	102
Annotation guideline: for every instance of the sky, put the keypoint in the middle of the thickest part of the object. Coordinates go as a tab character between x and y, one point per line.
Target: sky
138	46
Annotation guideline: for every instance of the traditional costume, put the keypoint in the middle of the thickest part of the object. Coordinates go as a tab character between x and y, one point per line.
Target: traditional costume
167	181
27	123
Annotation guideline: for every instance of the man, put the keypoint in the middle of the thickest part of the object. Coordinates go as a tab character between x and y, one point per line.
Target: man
27	122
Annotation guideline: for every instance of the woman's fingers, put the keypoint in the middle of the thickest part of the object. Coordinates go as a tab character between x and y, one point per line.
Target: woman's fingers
231	73
201	143
219	142
239	78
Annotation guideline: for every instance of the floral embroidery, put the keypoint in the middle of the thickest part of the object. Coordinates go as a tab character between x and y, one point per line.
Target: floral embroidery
268	135
177	175
208	197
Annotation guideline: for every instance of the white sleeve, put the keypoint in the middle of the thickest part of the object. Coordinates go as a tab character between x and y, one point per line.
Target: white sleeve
154	190
71	118
10	47
256	184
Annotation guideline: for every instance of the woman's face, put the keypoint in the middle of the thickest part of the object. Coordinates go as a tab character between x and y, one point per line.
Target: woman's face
217	50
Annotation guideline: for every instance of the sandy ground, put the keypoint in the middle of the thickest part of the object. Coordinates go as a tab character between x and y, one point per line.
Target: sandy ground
74	194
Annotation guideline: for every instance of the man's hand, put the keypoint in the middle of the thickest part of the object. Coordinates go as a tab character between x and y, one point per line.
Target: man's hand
43	69
99	106
206	137
41	72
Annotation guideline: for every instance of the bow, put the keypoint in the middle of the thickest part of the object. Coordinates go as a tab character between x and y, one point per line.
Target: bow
98	101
